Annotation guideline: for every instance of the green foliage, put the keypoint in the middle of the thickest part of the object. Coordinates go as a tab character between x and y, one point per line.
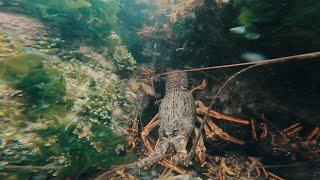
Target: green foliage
65	150
251	14
132	16
84	154
60	141
91	21
282	24
102	102
122	58
98	107
257	14
85	19
124	61
43	87
38	127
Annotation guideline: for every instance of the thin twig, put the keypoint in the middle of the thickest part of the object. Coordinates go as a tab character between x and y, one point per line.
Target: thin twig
258	63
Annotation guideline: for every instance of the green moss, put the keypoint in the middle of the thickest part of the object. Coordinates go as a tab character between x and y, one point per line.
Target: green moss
85	154
71	145
85	19
122	58
43	87
101	102
61	148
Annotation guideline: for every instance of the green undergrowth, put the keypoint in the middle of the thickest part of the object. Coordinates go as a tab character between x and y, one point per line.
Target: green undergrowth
101	103
63	150
43	87
42	136
122	59
90	22
85	19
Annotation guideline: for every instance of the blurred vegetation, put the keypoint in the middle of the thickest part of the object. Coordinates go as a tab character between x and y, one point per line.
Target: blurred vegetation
8	46
123	60
43	87
43	133
40	136
133	16
91	22
283	25
102	101
88	19
65	151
